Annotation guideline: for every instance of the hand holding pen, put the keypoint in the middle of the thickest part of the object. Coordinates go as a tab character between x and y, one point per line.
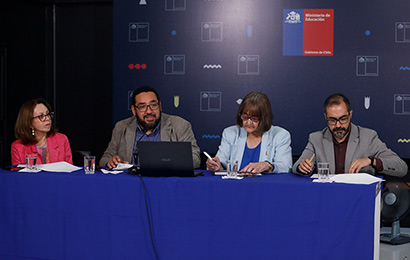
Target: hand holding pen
213	164
306	166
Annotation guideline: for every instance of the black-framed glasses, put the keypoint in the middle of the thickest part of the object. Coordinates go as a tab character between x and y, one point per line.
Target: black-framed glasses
43	117
254	119
144	107
343	120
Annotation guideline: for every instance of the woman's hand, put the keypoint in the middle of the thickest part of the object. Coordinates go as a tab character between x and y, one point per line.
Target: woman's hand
257	168
214	164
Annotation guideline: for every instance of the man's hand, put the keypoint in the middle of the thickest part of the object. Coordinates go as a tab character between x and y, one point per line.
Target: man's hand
112	163
358	164
305	166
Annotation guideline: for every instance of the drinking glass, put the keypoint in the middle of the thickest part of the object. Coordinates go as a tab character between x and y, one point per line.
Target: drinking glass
31	162
323	171
89	164
232	168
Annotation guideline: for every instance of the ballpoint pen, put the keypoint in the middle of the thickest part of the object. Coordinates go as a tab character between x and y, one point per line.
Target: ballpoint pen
207	155
210	158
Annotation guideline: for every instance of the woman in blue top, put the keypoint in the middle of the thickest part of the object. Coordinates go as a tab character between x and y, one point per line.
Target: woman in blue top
254	142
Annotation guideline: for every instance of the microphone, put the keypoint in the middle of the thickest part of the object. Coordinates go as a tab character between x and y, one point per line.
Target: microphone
135	169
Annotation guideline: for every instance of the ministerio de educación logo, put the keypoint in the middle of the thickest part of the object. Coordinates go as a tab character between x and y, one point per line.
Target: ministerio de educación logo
293	17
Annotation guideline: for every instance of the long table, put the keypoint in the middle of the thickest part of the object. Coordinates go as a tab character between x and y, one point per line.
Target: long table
70	216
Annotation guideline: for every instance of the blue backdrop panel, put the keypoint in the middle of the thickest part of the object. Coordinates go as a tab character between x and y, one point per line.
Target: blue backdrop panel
203	56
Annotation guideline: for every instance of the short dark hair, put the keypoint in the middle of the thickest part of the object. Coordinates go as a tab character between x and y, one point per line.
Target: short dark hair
144	89
22	129
257	104
336	99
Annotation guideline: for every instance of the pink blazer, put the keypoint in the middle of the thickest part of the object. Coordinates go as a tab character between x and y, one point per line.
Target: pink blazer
58	146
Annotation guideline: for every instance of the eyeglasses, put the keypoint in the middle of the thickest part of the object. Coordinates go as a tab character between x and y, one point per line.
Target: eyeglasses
143	108
343	120
43	117
254	119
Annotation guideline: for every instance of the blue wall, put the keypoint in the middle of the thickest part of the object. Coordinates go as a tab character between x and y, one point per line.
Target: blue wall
211	53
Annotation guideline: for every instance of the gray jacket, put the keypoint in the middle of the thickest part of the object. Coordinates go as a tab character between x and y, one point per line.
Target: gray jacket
363	142
173	128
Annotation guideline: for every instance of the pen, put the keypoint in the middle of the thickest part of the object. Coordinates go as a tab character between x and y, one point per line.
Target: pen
311	158
207	155
210	158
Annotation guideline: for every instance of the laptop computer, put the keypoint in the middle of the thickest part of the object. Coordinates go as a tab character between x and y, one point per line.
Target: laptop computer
164	159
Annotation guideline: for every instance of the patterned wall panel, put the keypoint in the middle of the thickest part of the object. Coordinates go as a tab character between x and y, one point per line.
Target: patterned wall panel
203	56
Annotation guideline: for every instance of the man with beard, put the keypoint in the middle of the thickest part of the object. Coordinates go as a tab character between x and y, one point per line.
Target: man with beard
147	124
347	148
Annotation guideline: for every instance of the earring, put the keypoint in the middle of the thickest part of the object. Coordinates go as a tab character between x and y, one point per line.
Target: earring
32	131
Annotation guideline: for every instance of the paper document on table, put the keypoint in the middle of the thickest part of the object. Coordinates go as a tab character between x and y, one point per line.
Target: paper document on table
122	166
316	176
58	167
232	178
27	170
223	173
355	178
110	171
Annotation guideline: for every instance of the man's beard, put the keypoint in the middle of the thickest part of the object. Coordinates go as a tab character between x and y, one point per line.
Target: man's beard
342	134
146	126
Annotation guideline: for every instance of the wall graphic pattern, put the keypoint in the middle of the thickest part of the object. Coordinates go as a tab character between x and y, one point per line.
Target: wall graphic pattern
203	56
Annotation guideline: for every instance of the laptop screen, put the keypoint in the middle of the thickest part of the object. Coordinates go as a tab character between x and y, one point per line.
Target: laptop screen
166	159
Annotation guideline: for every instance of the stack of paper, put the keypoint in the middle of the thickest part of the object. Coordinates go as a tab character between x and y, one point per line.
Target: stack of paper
53	167
352	178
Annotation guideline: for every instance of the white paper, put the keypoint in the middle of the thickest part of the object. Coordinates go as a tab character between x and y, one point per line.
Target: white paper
122	166
316	176
355	178
58	167
232	178
224	173
351	178
27	170
110	171
322	181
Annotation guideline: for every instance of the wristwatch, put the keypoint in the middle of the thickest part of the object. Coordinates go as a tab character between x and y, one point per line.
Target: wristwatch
271	166
371	161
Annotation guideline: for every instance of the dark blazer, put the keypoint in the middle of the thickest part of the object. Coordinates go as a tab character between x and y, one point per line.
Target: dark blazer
363	142
173	128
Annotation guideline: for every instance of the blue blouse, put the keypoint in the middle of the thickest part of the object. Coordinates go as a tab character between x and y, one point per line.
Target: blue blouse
250	155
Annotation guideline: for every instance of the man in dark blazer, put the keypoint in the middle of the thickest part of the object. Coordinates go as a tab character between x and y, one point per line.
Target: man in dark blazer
147	124
347	148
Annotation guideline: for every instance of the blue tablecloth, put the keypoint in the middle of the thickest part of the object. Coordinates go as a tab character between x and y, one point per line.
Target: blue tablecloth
71	216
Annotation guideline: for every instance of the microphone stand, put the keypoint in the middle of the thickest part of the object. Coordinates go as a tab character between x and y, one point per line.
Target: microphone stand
135	169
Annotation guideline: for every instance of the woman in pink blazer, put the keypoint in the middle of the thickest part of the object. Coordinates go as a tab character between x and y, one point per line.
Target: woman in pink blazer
35	135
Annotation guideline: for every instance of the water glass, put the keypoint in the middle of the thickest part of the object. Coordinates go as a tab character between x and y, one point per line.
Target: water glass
323	171
232	168
89	164
31	162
